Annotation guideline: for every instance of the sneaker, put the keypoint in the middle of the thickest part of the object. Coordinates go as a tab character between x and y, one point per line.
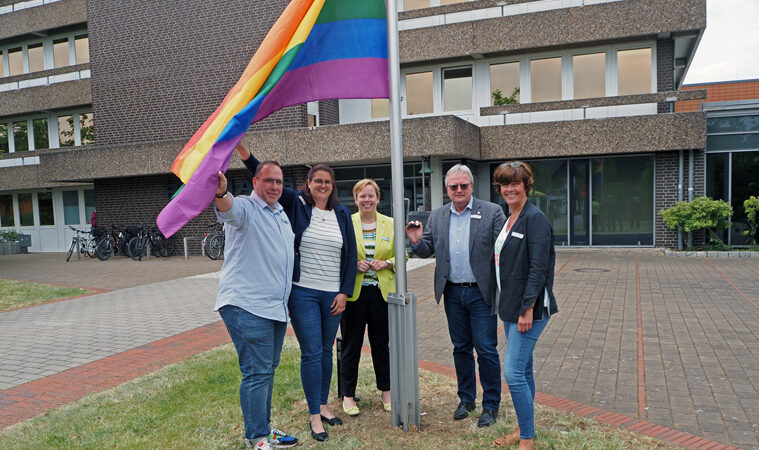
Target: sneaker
263	444
280	439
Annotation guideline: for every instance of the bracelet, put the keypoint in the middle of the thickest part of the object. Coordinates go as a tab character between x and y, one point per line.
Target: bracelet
222	195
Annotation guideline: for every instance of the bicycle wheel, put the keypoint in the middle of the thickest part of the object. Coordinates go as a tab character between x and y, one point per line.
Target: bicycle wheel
104	249
134	249
71	249
216	247
90	246
167	246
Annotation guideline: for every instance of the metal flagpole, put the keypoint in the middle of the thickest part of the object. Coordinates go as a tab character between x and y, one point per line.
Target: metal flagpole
404	370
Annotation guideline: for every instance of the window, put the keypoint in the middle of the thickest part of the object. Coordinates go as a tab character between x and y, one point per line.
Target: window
312	120
36	57
82	48
380	108
589	75
457	89
6	211
61	52
2	64
25	210
15	62
66	131
419	93
89	204
634	71
20	136
71	207
45	205
87	131
415	4
504	78
546	79
41	139
4	144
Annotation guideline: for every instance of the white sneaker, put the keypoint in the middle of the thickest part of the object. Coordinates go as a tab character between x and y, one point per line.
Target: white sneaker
263	444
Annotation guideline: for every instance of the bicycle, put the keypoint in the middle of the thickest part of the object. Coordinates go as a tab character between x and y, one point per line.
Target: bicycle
79	242
115	241
213	243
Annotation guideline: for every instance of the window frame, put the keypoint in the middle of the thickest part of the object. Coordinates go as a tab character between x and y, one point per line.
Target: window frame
47	52
52	128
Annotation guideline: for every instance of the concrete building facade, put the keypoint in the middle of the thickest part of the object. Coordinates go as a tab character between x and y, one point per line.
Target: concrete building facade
97	98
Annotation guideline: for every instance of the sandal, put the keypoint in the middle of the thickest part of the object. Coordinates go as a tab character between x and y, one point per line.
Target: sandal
507	440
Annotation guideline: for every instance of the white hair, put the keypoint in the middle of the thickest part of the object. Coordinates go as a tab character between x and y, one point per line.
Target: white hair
459	168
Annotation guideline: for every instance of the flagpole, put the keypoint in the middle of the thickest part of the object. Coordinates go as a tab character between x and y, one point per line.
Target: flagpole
404	370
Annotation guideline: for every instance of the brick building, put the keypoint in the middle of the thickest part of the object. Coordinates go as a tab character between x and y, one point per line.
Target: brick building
97	98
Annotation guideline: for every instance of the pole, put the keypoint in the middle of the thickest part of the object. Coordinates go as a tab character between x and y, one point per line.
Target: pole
404	370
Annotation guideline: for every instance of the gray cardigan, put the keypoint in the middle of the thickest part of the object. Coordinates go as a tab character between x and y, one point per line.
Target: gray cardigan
482	235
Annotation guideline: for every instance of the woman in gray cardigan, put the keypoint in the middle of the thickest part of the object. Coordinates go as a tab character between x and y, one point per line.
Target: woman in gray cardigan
524	262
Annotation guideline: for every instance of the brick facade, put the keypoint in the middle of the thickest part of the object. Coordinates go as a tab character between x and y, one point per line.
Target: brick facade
666	190
665	75
720	92
329	112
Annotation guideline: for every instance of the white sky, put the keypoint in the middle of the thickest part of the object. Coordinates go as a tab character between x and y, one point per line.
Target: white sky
729	48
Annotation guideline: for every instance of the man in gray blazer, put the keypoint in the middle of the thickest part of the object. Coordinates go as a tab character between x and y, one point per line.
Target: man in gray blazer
461	235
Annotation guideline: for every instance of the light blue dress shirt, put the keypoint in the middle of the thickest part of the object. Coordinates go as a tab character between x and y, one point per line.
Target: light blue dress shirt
458	245
258	258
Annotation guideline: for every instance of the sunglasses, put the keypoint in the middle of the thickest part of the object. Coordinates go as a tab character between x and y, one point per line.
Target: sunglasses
455	187
513	164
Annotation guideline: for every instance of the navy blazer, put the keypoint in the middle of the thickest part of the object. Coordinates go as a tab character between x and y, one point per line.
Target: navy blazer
527	266
299	213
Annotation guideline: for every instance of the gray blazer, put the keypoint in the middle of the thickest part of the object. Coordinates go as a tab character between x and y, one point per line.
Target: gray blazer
482	235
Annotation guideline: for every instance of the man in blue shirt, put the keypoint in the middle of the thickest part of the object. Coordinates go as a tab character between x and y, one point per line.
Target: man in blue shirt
253	291
462	235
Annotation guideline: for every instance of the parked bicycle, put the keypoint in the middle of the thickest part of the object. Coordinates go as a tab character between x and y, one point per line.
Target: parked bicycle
83	241
149	236
115	241
213	243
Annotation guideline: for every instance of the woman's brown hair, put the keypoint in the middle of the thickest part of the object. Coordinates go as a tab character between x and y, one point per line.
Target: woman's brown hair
332	200
512	171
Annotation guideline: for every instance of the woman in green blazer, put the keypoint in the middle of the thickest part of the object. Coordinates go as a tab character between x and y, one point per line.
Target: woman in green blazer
368	305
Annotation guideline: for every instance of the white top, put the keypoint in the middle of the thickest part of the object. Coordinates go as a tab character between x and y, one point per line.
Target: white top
320	248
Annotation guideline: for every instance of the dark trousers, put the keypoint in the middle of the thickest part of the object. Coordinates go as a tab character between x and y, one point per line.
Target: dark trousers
368	309
473	327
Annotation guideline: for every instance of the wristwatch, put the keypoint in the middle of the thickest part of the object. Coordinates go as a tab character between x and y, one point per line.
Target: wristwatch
389	262
222	195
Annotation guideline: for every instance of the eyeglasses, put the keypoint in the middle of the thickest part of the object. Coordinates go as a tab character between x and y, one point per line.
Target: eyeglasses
455	187
277	181
513	164
322	182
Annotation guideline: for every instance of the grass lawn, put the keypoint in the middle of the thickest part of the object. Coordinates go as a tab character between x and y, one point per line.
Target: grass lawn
15	294
194	404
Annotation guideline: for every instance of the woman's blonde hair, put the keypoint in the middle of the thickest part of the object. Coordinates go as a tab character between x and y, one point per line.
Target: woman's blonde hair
364	183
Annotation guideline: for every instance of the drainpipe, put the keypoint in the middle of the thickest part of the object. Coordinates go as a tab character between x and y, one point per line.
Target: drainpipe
690	190
680	166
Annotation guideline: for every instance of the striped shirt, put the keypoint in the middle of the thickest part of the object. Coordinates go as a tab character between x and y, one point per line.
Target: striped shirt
320	249
370	241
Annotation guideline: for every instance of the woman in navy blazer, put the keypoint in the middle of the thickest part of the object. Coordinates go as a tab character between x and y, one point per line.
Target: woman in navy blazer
324	235
524	261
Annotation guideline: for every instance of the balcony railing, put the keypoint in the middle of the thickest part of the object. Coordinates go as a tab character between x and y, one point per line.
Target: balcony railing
18	6
46	80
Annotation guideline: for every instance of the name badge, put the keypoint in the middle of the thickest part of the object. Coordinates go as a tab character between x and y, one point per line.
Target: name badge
386	239
476	216
517	235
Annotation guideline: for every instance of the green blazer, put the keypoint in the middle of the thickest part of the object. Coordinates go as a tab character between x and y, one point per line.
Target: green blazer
384	249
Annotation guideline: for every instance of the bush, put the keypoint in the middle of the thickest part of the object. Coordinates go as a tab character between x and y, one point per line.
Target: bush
8	236
751	206
703	213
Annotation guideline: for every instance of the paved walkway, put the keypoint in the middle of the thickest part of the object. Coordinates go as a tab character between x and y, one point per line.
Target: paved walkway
665	346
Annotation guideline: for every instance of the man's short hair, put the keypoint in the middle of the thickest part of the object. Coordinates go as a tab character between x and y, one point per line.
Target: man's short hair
459	168
264	164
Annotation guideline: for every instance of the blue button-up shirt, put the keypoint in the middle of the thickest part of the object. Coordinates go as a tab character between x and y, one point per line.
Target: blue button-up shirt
458	244
258	258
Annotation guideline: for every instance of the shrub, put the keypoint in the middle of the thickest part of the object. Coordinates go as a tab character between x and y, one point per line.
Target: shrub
8	236
703	213
751	206
499	99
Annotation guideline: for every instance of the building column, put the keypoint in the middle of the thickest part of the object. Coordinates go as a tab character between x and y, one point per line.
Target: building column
436	182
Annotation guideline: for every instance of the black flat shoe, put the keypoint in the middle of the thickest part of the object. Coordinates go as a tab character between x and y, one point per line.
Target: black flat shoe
333	421
321	437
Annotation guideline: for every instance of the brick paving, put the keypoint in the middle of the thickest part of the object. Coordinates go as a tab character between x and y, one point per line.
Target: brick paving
666	347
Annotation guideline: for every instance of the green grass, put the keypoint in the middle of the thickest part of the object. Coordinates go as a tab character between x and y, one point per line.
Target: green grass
15	294
194	404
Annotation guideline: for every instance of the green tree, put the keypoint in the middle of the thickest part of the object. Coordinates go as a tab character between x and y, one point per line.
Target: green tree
499	99
703	213
751	206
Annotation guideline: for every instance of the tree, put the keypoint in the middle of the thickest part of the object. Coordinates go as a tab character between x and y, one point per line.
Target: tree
751	206
499	99
703	213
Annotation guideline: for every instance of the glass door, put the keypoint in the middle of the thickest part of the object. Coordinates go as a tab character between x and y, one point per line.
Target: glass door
579	202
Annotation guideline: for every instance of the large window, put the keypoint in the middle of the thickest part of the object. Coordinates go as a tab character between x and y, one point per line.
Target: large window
87	132
457	89
15	61
71	207
36	56
25	210
45	53
505	79
41	139
550	194
545	76
20	136
61	52
82	48
2	65
45	205
419	93
4	142
66	131
634	71
380	108
89	204
6	211
589	75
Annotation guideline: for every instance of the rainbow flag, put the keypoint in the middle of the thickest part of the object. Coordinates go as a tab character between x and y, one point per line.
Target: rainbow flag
317	50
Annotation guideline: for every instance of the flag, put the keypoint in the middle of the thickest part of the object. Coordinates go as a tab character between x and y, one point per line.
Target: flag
316	50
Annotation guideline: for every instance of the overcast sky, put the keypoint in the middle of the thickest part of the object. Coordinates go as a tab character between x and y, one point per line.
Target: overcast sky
729	48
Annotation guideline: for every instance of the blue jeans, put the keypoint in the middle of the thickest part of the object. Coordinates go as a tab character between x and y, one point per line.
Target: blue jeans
259	344
517	370
316	328
472	326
